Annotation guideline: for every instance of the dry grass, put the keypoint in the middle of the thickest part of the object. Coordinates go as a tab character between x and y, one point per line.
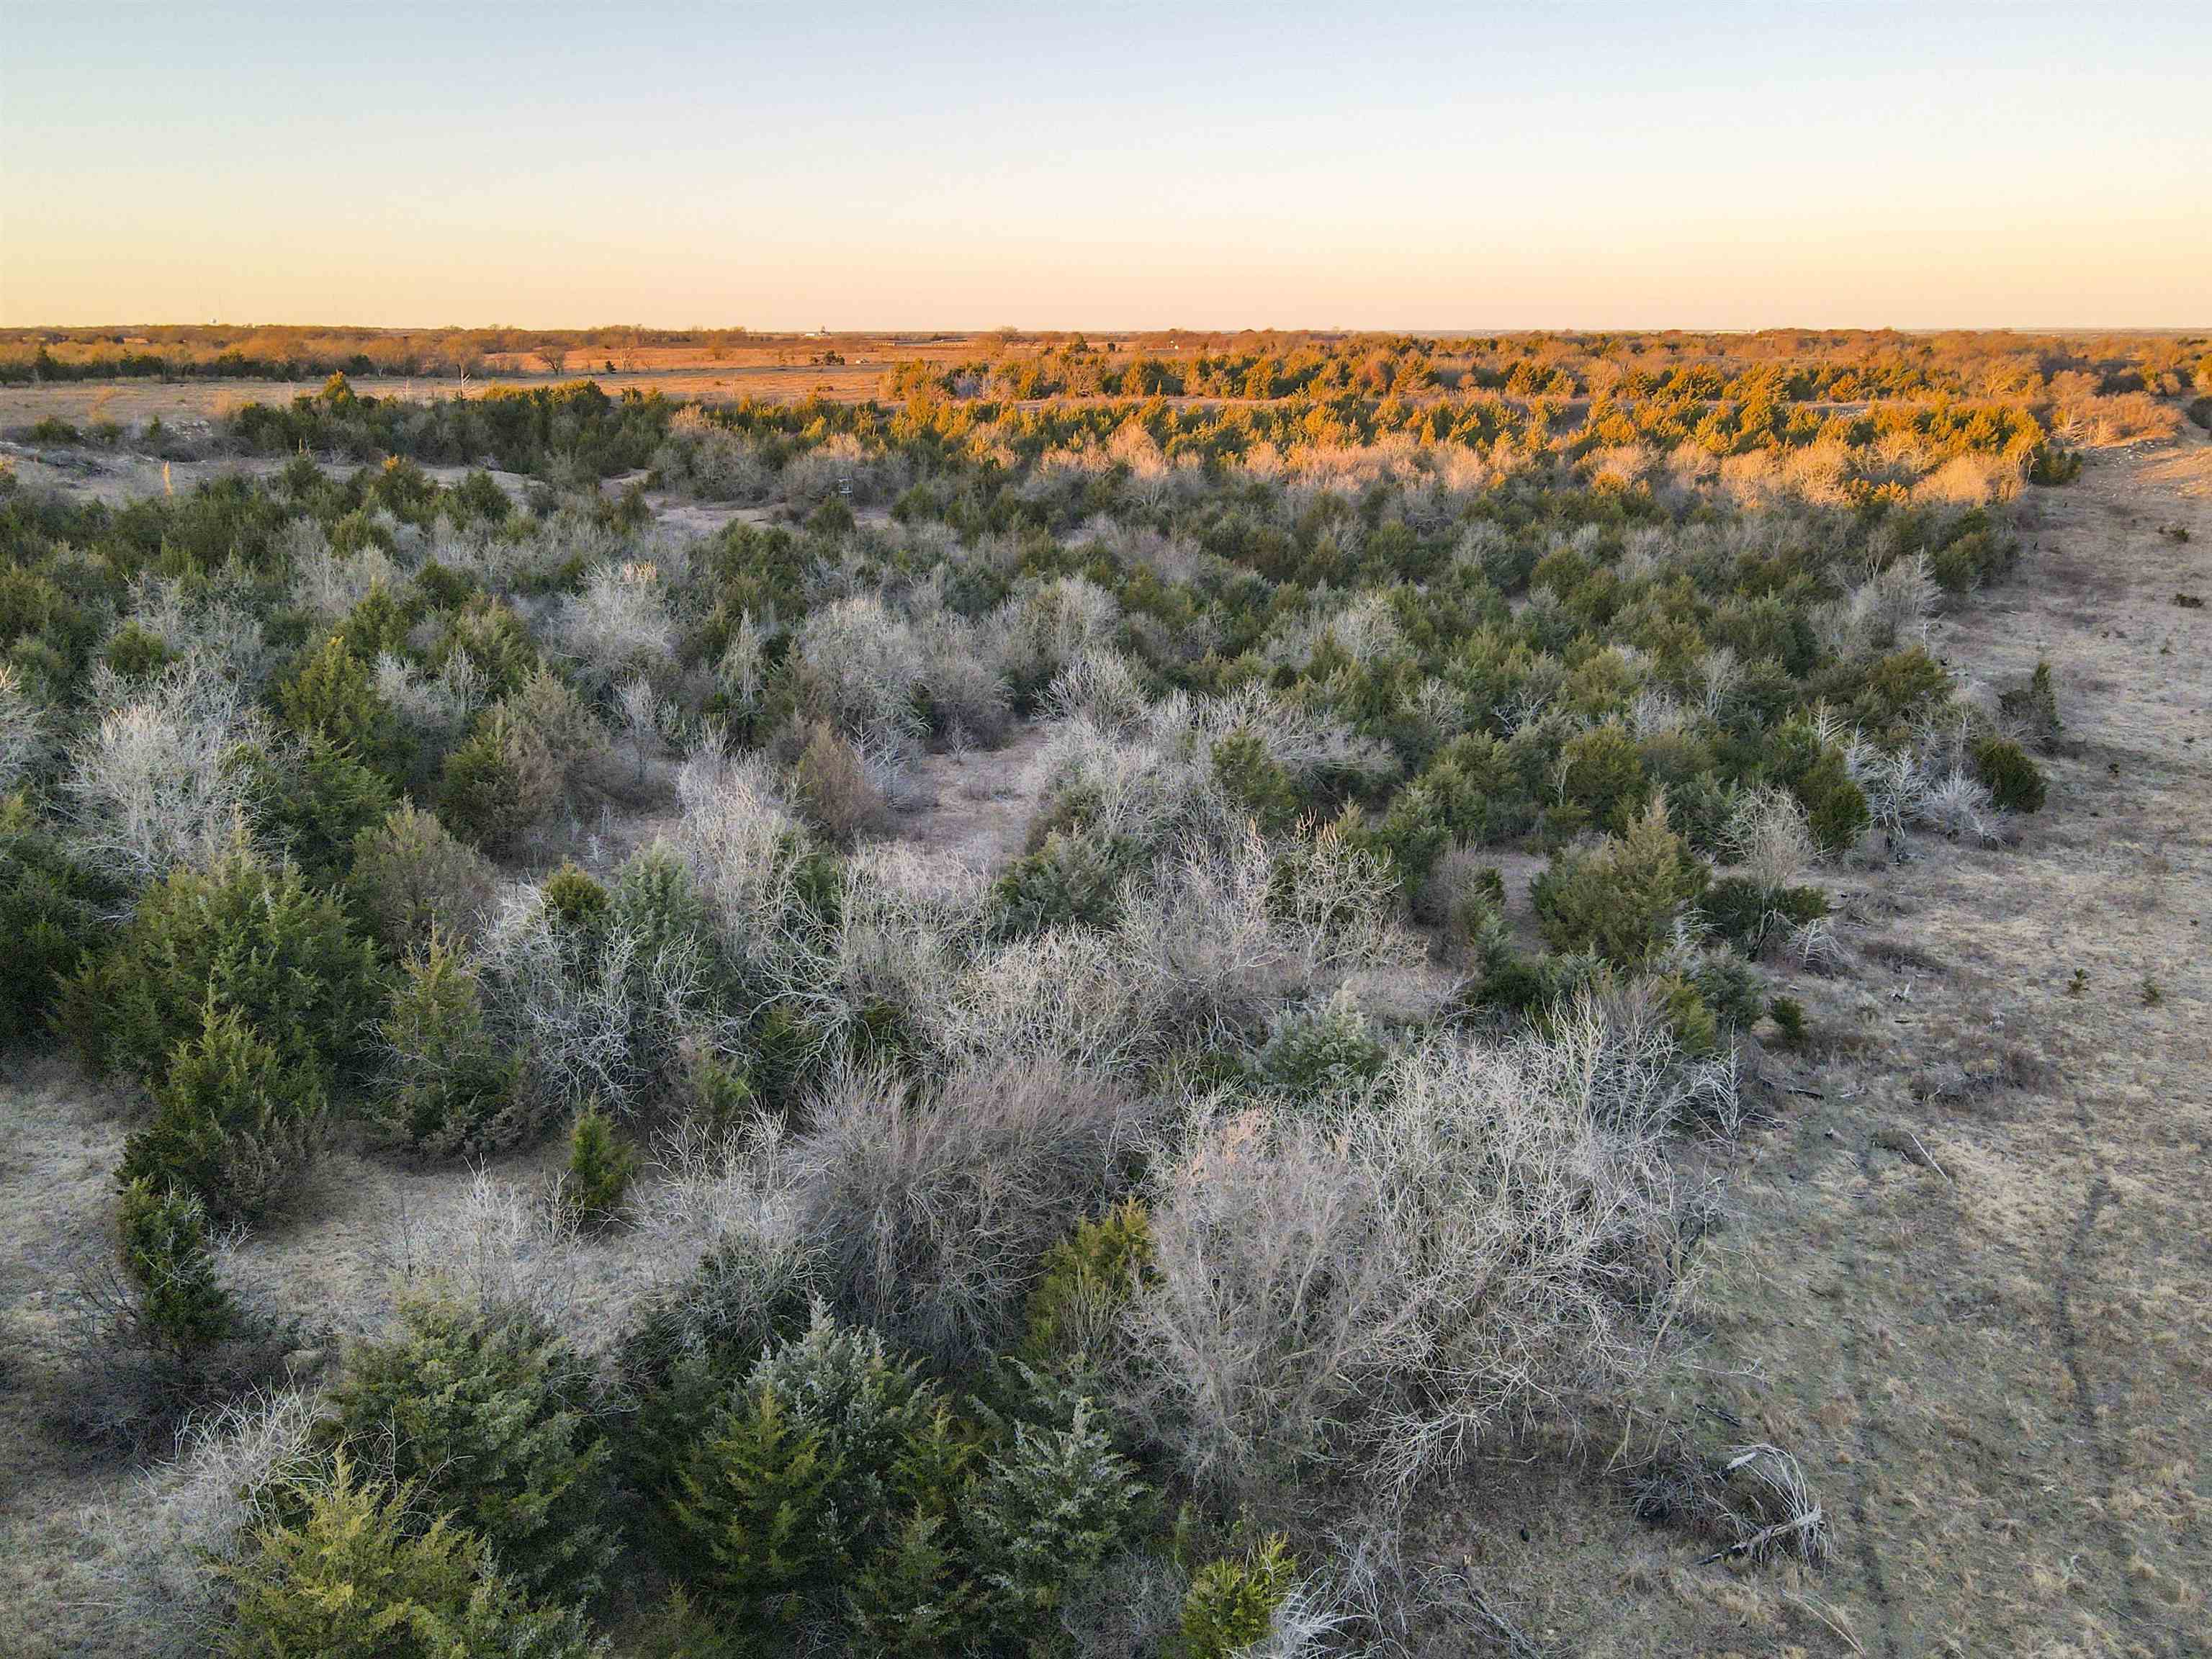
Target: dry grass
1965	1283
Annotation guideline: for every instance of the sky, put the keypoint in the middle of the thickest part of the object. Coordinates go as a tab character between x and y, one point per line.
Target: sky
1119	164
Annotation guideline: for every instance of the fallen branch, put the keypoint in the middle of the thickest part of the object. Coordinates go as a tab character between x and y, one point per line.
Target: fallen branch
1928	1158
1500	1627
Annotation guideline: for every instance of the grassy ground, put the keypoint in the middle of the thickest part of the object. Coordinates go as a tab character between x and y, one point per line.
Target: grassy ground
1968	1279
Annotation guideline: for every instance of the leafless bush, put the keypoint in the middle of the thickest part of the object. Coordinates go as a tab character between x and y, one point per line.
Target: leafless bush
640	710
704	458
1306	742
813	475
435	708
1928	783
1145	772
1769	838
329	584
1493	1235
967	698
742	673
705	1182
1364	629
214	627
500	1247
902	932
1223	934
1097	687
597	1018
22	731
1130	1608
1062	992
153	785
1047	626
1974	479
166	1547
1148	783
2126	418
932	1210
619	628
1957	806
1278	1308
745	846
860	666
1890	604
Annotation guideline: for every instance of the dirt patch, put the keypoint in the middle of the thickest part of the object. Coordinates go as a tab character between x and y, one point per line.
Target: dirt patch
973	807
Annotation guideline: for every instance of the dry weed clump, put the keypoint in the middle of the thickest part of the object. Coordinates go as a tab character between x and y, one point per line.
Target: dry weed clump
1492	1236
1222	935
932	1209
164	1551
617	628
153	783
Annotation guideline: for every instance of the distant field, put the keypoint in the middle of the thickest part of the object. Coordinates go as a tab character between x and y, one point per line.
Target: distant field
81	402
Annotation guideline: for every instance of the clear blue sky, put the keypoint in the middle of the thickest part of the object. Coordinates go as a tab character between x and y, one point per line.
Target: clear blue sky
1595	164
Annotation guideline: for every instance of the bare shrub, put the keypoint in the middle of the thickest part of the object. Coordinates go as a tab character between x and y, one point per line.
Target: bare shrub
932	1210
161	1591
861	666
327	583
212	626
704	458
966	697
1365	629
1890	605
599	1014
1769	838
742	673
1146	772
498	1248
433	708
1223	934
618	627
1492	1236
22	731
1047	626
1097	687
1974	479
1311	744
903	926
745	848
814	475
705	1182
1131	1605
153	784
1063	993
